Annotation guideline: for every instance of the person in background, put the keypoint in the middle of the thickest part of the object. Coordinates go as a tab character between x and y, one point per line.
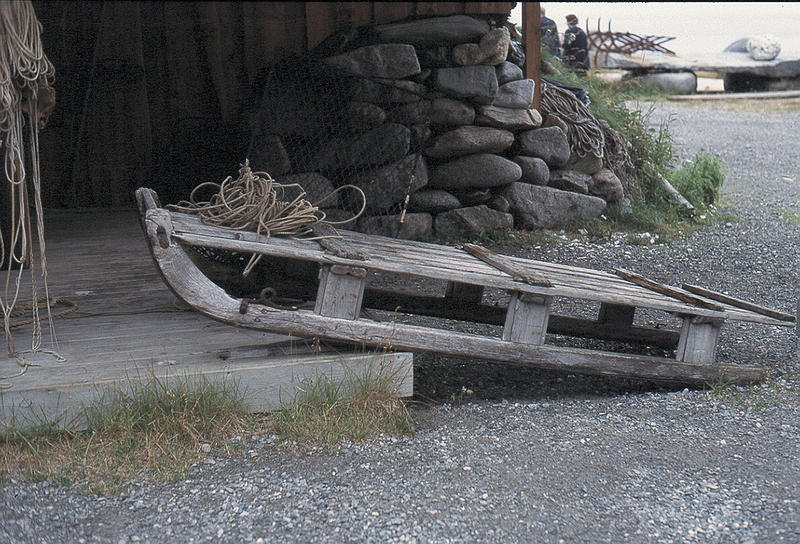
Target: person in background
549	32
575	45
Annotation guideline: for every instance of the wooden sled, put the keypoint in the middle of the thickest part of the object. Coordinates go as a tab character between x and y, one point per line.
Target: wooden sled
343	296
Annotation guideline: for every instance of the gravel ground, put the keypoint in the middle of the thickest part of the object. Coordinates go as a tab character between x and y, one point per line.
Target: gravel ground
530	456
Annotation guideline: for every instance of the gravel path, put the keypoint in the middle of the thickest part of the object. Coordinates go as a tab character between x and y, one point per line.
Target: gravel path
533	456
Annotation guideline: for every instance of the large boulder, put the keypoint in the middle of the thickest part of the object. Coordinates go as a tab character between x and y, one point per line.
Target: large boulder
549	144
508	118
472	221
479	170
492	49
361	116
414	225
515	94
477	83
388	60
763	48
451	112
386	91
468	140
433	201
547	207
432	32
534	170
386	186
383	145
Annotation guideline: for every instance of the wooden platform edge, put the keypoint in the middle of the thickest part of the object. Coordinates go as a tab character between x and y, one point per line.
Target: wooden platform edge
266	383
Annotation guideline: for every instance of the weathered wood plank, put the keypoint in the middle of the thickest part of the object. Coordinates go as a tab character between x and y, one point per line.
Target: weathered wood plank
526	318
666	289
341	290
518	273
698	341
270	383
743	304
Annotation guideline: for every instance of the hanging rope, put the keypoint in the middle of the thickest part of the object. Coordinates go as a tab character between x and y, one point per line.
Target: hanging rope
26	77
255	202
584	133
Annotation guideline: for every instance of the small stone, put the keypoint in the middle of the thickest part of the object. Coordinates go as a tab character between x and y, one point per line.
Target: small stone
433	201
570	180
588	164
555	121
534	170
362	116
507	72
413	227
491	50
205	447
547	207
607	186
387	185
433	31
451	112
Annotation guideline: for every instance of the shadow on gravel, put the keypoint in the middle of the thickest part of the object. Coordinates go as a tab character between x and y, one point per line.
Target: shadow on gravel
439	379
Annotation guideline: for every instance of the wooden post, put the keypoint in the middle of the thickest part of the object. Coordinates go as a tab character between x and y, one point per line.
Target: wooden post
341	291
527	317
698	341
531	34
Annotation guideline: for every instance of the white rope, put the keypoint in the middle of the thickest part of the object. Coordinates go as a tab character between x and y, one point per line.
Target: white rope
26	75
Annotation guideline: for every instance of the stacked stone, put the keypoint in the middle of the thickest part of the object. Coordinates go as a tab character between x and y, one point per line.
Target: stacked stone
439	109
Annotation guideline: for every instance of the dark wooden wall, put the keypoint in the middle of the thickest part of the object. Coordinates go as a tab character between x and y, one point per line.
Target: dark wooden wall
162	94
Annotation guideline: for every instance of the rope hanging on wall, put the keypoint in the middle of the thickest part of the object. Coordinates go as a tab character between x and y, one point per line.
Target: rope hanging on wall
26	77
584	133
255	202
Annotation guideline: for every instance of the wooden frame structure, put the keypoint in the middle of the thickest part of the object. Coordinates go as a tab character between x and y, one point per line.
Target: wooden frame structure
343	293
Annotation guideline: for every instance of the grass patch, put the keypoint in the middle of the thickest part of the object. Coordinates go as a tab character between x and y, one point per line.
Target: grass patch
700	179
327	412
150	429
157	431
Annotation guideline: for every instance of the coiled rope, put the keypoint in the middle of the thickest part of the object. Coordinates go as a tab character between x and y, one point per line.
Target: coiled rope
255	202
584	133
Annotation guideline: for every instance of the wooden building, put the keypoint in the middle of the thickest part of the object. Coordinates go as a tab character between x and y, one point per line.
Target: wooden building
162	94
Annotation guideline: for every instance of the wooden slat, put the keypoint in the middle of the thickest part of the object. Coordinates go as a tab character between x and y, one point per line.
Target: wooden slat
502	264
666	289
739	303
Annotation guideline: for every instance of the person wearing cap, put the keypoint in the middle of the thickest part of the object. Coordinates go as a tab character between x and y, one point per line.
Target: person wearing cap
575	45
549	32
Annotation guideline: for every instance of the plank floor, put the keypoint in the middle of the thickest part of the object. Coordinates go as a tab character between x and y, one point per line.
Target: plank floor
128	324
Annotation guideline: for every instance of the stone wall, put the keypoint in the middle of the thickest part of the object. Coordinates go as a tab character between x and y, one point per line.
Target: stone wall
434	110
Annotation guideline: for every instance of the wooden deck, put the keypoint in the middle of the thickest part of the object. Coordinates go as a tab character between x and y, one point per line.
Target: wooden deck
128	324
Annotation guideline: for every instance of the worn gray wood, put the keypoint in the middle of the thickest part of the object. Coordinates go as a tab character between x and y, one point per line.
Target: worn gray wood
698	340
341	291
203	295
526	318
739	303
267	383
666	289
498	261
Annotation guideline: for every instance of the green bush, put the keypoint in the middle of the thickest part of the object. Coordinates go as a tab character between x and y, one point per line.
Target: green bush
700	179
